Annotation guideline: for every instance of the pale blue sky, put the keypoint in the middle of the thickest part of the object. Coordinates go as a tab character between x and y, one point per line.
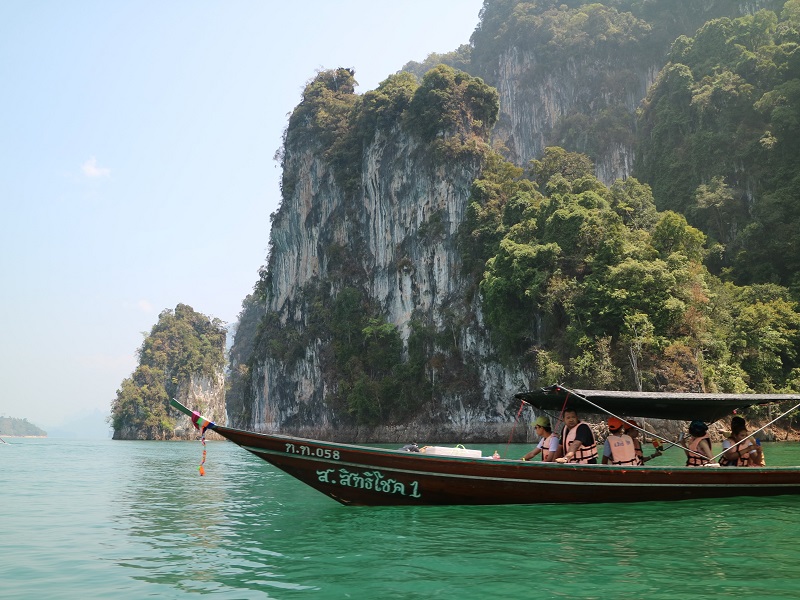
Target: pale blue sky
136	165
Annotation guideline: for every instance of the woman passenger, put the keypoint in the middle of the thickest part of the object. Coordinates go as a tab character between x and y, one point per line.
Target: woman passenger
744	454
698	446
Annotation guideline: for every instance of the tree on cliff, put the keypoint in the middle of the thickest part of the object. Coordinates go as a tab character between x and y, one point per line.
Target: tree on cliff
719	141
181	344
593	283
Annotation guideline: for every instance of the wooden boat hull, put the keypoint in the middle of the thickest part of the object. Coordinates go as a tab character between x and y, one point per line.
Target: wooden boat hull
363	476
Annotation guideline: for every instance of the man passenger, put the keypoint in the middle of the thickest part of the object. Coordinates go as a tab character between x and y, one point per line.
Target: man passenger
577	440
619	448
549	444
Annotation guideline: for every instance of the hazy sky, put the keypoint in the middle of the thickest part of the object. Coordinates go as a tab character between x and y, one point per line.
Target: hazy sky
136	165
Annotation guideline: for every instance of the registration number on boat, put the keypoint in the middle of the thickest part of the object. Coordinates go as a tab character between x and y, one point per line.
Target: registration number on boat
309	451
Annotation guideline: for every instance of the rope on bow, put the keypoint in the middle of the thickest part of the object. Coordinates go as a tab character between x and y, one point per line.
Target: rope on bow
201	423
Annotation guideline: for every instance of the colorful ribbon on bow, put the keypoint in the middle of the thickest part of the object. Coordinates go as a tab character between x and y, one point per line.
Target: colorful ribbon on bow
201	423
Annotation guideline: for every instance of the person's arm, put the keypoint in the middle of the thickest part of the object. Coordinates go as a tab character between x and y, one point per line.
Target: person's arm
731	452
573	448
704	447
606	452
683	442
532	454
757	459
749	450
652	456
584	435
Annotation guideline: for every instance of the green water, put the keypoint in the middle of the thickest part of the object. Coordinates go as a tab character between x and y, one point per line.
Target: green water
104	519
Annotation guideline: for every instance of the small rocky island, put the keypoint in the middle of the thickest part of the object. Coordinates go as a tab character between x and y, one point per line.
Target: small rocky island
183	357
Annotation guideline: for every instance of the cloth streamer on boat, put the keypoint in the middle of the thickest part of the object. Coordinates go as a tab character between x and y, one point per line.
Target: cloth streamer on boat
202	424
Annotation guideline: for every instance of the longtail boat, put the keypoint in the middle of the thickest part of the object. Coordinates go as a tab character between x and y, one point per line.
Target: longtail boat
366	476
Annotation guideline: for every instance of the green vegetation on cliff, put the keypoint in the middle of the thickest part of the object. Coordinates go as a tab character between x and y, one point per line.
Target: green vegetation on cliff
449	109
360	354
720	142
604	52
181	344
592	285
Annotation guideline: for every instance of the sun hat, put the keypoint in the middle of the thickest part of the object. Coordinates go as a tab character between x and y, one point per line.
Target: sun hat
614	424
542	421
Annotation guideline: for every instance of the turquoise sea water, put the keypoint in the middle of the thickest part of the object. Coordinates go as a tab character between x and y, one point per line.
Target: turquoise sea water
106	519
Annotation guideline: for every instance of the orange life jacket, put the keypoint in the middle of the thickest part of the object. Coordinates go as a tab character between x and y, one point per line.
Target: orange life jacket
739	461
623	452
693	460
585	453
546	445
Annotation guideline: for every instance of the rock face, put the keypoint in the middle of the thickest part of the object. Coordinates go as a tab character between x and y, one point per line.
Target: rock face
204	394
400	235
535	101
584	95
397	234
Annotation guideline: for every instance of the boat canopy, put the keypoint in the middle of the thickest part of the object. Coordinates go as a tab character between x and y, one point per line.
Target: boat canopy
683	406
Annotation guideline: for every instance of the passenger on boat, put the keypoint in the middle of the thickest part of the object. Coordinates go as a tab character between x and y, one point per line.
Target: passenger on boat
631	429
619	448
736	454
549	445
698	446
577	440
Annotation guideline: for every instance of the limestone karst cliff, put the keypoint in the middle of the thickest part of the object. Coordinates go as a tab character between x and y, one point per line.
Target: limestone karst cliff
368	323
181	358
391	231
572	74
205	394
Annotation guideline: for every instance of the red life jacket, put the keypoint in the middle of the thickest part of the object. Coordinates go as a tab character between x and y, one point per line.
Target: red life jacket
623	452
693	460
585	453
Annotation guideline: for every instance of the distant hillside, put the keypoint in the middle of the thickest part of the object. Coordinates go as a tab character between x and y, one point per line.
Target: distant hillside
10	426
